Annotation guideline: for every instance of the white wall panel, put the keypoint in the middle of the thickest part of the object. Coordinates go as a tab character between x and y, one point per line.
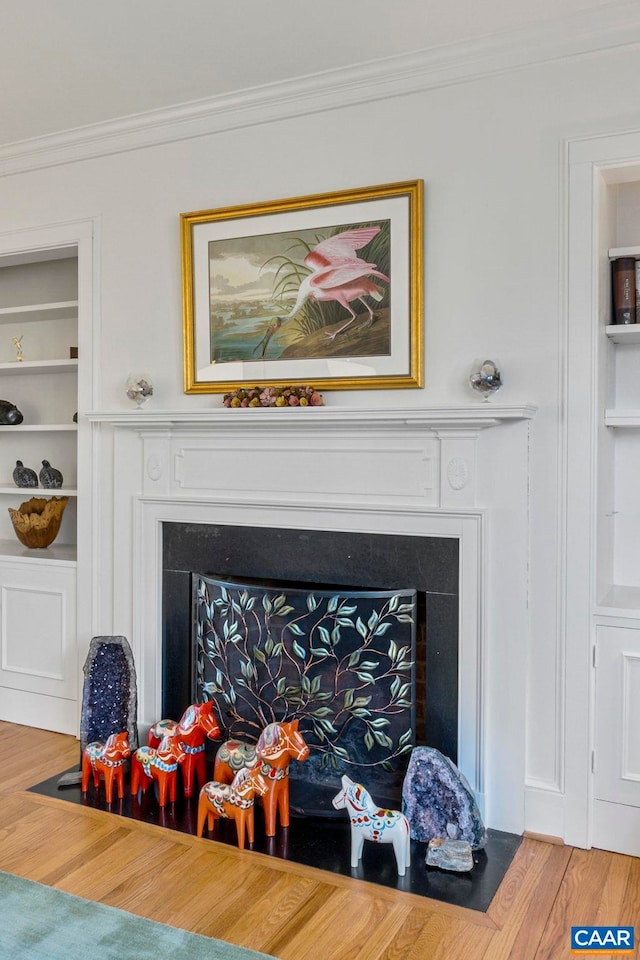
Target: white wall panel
38	646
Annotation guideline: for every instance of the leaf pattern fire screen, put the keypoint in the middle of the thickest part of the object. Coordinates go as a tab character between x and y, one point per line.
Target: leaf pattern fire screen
342	661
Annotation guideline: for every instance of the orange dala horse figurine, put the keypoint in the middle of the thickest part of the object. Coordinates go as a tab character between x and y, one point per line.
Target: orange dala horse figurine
196	724
278	743
106	759
161	764
232	801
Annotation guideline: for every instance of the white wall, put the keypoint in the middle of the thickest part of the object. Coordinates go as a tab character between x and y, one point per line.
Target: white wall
491	155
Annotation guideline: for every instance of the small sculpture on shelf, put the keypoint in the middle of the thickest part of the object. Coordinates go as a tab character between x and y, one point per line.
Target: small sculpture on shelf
277	745
196	724
10	416
139	387
17	342
37	521
485	378
50	477
370	822
24	476
232	801
106	760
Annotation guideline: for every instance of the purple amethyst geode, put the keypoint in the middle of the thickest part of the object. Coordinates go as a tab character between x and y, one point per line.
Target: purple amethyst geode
438	801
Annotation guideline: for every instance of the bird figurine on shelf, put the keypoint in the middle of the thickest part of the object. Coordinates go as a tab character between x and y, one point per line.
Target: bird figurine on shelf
10	416
50	477
24	476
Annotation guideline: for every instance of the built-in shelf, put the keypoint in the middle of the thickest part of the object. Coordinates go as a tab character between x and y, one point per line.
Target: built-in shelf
623	332
62	553
620	601
41	427
11	488
38	366
38	311
622	418
616	252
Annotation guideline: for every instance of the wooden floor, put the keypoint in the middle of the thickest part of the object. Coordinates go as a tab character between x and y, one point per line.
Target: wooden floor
291	911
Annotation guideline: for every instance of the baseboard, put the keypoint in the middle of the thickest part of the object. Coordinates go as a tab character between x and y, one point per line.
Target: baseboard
543	838
39	710
544	814
616	827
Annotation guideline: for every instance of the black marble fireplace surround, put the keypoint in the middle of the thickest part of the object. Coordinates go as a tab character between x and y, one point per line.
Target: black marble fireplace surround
319	557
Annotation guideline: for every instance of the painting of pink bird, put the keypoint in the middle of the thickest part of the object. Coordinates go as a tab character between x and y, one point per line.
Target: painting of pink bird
313	293
325	290
337	274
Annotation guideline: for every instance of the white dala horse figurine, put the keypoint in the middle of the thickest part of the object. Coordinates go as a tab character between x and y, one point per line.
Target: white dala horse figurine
370	822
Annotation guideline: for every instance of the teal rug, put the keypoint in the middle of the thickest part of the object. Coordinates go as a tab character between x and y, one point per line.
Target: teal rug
40	923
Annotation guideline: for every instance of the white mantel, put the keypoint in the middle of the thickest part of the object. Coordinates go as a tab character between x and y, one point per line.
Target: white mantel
472	416
423	455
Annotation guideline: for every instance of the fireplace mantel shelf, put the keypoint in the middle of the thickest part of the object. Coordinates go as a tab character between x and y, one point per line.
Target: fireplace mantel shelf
476	416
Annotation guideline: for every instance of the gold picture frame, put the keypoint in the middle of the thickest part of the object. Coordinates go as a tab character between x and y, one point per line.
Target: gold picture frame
324	290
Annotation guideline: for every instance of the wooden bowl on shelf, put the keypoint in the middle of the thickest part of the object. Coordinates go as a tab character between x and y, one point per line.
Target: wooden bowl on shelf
37	521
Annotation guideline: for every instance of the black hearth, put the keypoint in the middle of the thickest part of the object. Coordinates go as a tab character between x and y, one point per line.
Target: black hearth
324	844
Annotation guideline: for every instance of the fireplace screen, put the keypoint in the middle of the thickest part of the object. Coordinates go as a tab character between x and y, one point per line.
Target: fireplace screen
342	661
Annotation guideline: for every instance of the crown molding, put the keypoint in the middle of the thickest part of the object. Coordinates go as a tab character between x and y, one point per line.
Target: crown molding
592	32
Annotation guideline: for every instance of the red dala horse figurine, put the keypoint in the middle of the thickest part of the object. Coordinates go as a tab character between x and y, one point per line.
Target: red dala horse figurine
106	759
278	743
233	802
196	724
161	765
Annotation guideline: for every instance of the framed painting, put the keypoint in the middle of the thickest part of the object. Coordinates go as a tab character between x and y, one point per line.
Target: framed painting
324	289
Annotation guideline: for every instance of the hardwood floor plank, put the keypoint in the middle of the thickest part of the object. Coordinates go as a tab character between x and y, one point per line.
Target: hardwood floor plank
527	855
630	909
281	943
613	891
353	933
222	909
522	929
99	877
30	755
394	934
275	909
400	942
322	927
208	902
578	900
444	939
73	854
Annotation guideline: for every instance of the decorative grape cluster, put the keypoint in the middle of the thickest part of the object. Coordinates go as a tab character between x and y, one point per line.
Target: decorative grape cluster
301	396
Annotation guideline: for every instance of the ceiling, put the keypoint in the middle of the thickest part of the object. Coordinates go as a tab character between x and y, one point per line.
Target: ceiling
68	63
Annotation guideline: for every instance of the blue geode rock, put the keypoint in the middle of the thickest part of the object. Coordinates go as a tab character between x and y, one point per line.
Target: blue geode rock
438	801
110	695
